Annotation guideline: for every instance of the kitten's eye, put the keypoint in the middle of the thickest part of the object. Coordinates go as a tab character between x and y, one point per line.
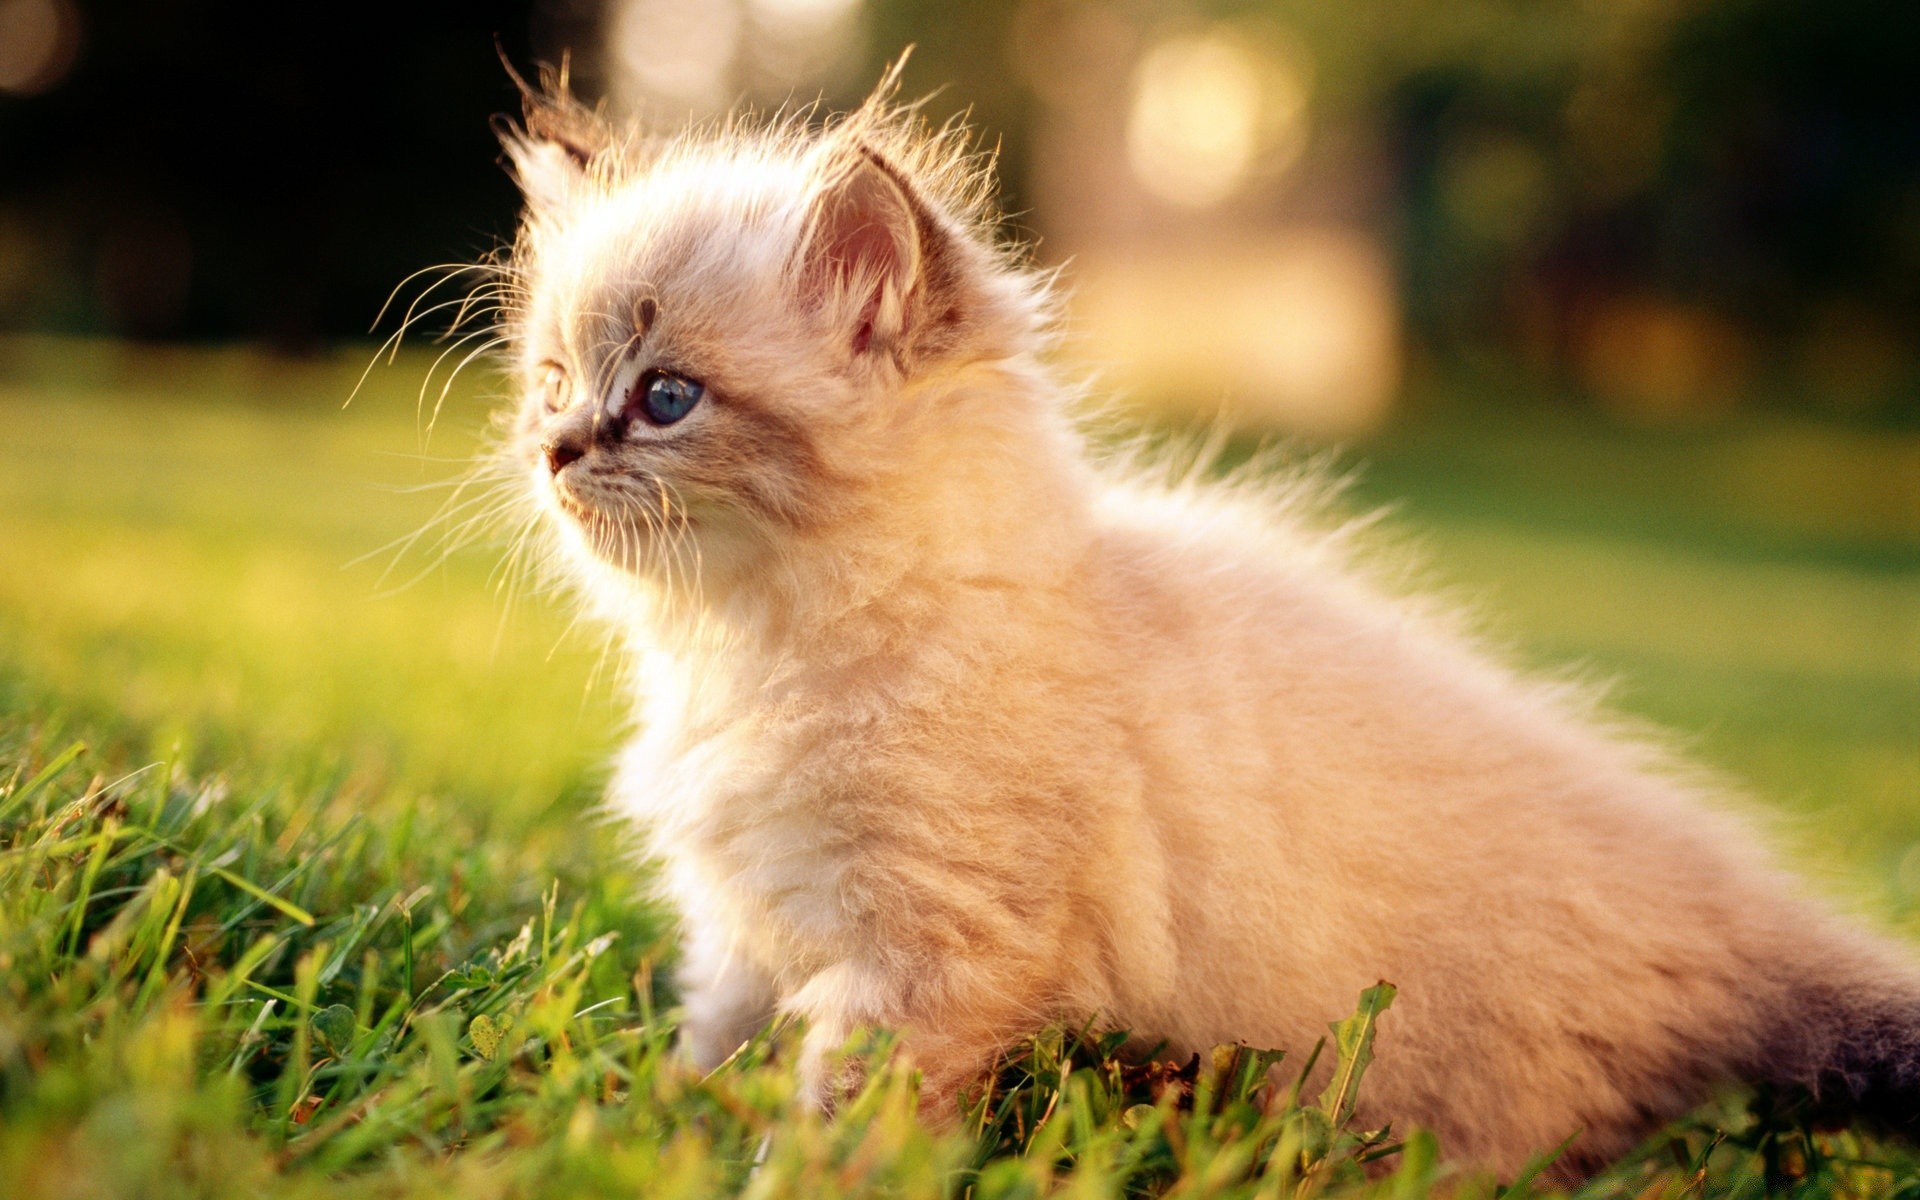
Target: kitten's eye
665	397
556	391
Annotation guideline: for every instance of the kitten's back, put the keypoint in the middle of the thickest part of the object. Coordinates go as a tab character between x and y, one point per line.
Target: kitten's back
1570	916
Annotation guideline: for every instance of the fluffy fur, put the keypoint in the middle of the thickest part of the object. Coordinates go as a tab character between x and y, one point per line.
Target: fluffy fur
945	728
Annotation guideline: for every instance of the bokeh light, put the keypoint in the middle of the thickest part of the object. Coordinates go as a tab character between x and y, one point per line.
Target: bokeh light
676	53
678	57
1211	108
1293	329
39	41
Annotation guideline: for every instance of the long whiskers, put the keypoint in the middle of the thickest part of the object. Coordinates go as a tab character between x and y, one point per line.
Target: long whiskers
491	343
495	293
461	520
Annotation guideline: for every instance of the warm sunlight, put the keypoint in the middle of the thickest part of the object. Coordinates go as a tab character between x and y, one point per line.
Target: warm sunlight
1211	110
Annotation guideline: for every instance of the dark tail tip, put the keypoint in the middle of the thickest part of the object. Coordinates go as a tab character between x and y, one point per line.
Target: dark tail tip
1875	1068
1859	1058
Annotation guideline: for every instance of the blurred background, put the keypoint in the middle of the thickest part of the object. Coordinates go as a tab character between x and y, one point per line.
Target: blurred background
1617	300
1287	208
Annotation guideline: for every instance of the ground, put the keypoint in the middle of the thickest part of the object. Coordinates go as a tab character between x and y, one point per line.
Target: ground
302	891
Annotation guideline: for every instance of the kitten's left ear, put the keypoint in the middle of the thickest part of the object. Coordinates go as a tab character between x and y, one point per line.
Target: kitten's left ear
878	258
554	148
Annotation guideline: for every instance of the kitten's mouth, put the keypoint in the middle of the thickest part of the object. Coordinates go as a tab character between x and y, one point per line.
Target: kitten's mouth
575	495
573	506
600	515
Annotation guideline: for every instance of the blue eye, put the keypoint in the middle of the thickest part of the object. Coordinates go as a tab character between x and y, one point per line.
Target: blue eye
665	398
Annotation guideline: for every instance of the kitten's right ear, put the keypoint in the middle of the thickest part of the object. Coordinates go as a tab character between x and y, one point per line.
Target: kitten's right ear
862	249
552	151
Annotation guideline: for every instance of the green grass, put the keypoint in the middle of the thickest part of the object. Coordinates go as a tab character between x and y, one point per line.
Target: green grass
322	906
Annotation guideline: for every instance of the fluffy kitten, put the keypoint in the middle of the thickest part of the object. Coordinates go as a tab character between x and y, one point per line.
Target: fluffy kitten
944	729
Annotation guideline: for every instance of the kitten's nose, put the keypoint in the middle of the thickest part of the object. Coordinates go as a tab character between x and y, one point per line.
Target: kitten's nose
569	436
562	448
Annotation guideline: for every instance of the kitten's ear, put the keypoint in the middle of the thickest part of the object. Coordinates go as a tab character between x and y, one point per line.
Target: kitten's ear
874	253
552	151
549	176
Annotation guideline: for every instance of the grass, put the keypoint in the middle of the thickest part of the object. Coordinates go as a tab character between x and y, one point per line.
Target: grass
301	891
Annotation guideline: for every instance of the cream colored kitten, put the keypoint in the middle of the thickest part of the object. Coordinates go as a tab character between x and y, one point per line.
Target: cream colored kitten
945	729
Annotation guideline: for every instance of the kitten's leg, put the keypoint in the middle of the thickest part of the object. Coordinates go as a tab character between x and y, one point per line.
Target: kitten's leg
952	1032
726	999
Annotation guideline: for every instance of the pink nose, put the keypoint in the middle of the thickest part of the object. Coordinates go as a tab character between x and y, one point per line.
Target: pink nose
562	451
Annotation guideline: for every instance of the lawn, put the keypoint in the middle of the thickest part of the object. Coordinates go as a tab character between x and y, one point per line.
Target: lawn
302	891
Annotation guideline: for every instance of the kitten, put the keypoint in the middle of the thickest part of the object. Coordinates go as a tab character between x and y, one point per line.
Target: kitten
947	729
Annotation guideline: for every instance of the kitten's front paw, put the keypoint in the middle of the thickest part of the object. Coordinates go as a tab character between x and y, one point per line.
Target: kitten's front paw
830	1079
725	1002
708	1044
951	1059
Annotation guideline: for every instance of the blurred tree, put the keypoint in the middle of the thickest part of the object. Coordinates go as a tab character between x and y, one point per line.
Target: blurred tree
1749	166
1730	187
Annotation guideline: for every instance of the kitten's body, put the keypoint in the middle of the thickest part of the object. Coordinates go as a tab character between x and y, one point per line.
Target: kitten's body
946	730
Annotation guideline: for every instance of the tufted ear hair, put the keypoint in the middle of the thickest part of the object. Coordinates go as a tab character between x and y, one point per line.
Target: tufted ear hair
876	257
553	150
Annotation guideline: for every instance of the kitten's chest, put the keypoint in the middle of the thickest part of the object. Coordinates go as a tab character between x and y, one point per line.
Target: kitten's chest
742	817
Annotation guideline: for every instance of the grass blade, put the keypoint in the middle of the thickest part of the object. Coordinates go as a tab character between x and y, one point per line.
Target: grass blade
45	776
286	907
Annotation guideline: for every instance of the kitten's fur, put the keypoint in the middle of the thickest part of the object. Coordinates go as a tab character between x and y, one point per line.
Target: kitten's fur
948	730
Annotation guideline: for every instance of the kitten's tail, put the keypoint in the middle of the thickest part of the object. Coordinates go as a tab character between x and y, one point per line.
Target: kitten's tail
1852	1040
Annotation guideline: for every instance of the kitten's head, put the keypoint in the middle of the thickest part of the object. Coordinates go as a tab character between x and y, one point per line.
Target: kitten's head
730	341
